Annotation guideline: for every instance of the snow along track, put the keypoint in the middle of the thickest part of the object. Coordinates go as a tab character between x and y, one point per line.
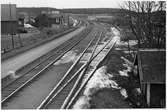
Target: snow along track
89	74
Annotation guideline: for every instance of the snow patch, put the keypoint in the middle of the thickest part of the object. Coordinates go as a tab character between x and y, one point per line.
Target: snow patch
124	93
138	91
118	48
116	38
124	73
12	75
115	31
70	56
127	52
135	70
28	26
127	62
100	79
131	43
82	103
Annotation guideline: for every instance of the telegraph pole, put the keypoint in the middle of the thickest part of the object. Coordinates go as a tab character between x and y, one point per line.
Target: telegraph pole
68	20
11	27
48	13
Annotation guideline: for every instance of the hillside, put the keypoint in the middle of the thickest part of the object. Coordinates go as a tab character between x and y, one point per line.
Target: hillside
92	10
36	11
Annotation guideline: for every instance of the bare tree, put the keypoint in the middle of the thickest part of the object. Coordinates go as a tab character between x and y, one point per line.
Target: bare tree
147	22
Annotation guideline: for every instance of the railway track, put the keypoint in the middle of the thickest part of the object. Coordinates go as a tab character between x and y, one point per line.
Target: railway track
13	87
66	79
66	91
71	83
70	101
6	81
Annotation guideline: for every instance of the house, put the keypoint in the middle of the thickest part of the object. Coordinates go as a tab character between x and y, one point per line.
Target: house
151	68
8	19
56	19
60	19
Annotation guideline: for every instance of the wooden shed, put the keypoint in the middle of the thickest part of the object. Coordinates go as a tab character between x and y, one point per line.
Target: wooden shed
151	65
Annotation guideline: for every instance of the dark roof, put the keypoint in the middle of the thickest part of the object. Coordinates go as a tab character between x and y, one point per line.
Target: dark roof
152	65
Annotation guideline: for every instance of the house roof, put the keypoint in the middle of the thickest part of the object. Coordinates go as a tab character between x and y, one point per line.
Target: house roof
152	63
8	12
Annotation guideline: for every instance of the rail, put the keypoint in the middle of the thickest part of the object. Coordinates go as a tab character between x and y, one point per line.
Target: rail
37	74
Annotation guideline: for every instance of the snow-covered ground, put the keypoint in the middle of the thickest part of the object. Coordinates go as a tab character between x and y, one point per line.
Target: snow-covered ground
101	79
128	65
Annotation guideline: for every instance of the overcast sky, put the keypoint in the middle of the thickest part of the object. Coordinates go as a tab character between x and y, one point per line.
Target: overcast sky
65	3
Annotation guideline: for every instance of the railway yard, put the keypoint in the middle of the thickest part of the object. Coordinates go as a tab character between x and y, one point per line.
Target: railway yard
87	67
58	55
53	79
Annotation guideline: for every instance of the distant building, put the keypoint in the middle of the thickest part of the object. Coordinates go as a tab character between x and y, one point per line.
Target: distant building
50	12
56	19
60	20
8	19
151	65
54	12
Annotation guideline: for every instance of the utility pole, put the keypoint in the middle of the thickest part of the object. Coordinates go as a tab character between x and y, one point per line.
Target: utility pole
21	44
29	15
68	20
11	27
48	17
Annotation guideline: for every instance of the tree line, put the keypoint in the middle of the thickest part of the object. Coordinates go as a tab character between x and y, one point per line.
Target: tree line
147	21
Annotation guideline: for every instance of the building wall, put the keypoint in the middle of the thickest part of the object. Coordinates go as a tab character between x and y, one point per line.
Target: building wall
55	20
8	18
8	27
157	94
8	12
154	95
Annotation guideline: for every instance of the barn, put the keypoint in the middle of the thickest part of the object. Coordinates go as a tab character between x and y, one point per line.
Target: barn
151	65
